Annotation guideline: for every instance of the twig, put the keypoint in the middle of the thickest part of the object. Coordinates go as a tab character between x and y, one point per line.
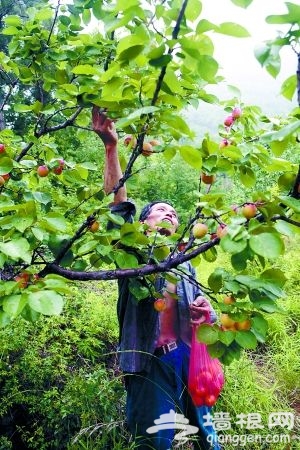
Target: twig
53	23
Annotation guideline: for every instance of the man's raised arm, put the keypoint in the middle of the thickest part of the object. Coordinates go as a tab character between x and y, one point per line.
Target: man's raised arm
105	128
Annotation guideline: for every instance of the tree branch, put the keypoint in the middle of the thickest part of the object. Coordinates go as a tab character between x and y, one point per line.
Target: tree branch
148	269
45	130
54	21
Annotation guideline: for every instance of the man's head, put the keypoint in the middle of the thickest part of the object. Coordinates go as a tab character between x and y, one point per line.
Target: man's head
157	212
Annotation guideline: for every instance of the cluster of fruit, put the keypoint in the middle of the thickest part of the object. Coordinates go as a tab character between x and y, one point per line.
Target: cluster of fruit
199	230
236	113
43	170
205	388
227	323
147	150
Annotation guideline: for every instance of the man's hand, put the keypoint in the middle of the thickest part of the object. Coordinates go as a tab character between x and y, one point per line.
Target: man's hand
200	310
104	127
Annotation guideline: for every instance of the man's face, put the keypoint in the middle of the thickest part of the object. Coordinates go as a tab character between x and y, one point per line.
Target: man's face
162	212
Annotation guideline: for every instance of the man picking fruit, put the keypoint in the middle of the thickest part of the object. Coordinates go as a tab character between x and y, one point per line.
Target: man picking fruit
155	335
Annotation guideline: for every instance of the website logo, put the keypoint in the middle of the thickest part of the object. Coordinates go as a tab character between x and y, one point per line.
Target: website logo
174	421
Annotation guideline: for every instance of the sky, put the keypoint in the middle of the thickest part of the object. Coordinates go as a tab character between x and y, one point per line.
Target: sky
236	56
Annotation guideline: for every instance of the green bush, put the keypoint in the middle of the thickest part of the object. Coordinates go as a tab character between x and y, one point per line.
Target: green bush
59	376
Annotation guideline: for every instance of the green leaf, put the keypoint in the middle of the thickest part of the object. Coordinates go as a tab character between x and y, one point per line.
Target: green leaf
46	302
57	284
45	13
138	290
54	222
205	25
42	197
6	165
85	69
207	333
5	319
22	223
193	10
267	305
227	337
242	3
247	176
232	29
286	228
288	87
268	245
239	260
126	260
115	218
293	16
291	202
71	89
280	135
207	67
246	339
231	246
10	31
87	247
14	304
275	276
178	123
278	147
86	16
125	121
210	255
259	327
13	21
191	155
161	61
130	46
215	280
279	164
17	249
268	56
231	353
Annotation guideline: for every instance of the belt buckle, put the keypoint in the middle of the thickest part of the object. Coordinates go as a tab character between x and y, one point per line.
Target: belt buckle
171	346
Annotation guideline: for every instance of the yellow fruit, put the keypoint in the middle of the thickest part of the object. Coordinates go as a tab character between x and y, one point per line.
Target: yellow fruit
160	304
199	230
147	149
228	300
154	142
94	226
226	321
244	325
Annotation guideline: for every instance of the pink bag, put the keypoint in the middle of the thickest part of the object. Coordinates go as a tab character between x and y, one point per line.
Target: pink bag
206	378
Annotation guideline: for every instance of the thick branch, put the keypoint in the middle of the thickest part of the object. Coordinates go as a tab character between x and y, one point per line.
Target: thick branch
148	269
286	219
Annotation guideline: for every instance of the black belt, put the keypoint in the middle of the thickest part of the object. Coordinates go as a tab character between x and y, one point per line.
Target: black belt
166	348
